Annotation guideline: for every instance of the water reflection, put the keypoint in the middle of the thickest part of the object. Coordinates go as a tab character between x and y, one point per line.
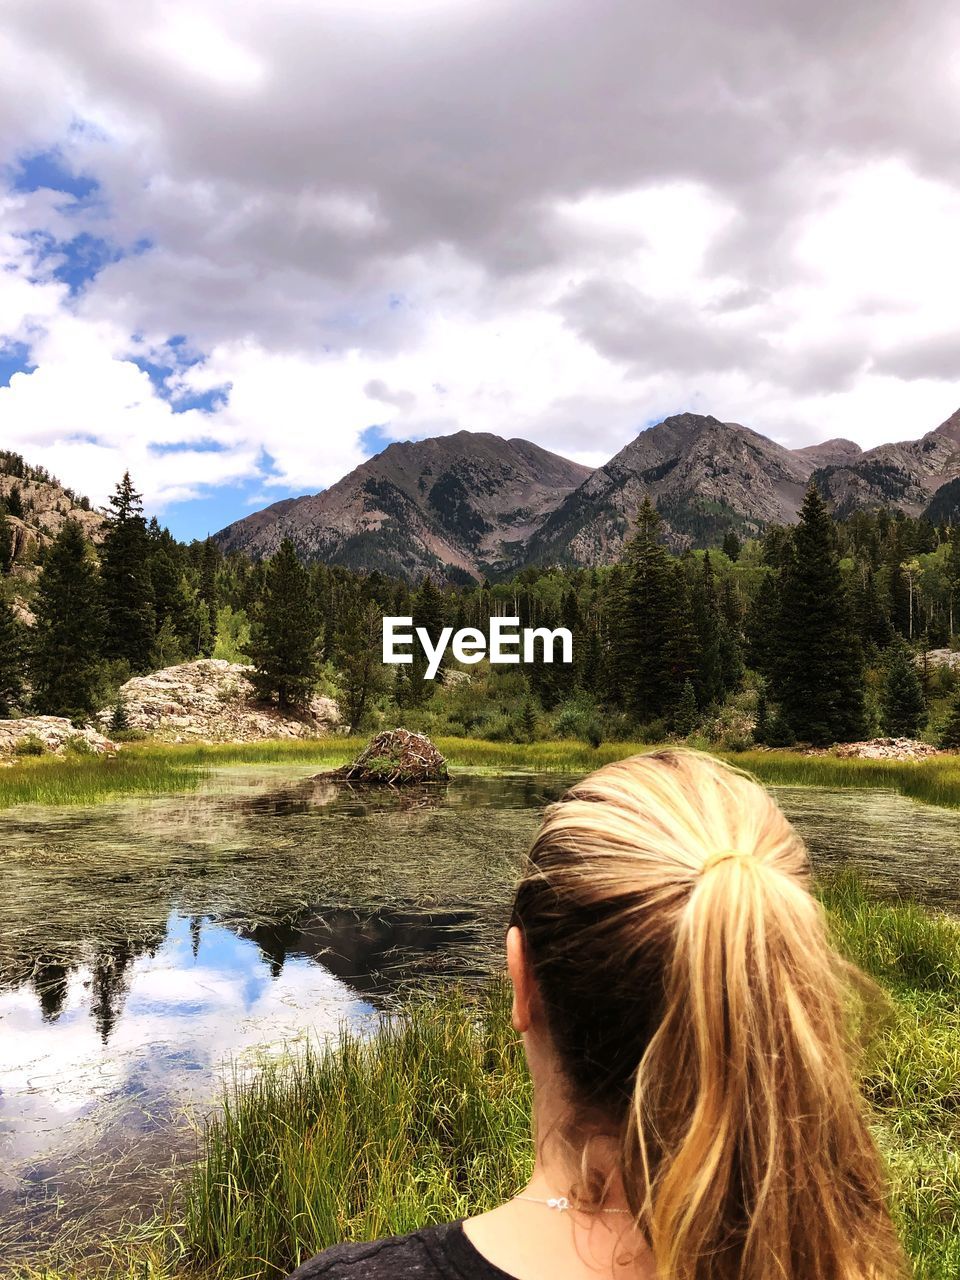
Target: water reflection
144	942
159	1026
373	952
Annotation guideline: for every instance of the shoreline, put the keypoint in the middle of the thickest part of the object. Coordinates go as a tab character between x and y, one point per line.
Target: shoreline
156	768
454	1055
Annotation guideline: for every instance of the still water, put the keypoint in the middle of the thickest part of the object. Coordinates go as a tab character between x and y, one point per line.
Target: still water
148	946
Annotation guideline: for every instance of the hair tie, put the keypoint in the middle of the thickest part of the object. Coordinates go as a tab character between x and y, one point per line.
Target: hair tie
723	855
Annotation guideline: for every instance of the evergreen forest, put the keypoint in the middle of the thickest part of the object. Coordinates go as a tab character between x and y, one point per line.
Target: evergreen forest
814	633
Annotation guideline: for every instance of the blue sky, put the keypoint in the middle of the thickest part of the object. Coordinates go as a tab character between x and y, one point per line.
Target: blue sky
75	259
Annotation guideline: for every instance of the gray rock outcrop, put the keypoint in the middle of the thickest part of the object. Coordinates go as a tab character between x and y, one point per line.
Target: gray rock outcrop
215	701
54	733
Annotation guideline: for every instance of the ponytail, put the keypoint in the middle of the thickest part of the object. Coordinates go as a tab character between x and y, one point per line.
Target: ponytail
669	923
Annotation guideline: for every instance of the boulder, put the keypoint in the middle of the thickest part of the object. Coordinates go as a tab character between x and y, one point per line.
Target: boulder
54	733
940	658
885	749
214	701
396	757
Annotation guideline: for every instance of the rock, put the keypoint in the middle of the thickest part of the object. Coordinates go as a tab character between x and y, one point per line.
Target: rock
212	700
54	732
885	749
941	658
396	757
452	678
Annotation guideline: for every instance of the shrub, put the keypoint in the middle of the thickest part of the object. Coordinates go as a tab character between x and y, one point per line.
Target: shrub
119	720
30	745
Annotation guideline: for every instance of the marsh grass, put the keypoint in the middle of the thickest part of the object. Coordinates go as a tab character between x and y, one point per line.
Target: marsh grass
428	1120
154	768
425	1122
52	780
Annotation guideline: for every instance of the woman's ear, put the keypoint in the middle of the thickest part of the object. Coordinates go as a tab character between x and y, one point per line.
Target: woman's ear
521	978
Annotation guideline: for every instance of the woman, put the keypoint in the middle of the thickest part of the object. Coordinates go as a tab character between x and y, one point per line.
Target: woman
683	1017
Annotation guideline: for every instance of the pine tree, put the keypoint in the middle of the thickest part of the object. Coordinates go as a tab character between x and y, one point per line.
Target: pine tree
904	706
173	597
119	719
204	629
761	726
950	734
648	667
14	502
11	658
818	676
209	565
528	720
687	715
762	625
285	642
362	673
898	596
707	625
427	607
125	555
6	545
731	545
871	621
167	651
65	660
953	574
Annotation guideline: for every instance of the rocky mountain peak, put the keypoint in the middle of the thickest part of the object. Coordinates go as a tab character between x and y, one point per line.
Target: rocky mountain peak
457	505
950	428
473	503
828	453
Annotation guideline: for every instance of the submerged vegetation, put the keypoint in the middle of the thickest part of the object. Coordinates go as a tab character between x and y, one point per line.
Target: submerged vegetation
429	1120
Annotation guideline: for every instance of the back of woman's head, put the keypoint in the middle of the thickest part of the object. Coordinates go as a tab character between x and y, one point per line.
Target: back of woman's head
695	1006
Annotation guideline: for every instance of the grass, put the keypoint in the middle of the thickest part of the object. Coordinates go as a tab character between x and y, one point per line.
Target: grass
423	1123
154	768
52	780
429	1120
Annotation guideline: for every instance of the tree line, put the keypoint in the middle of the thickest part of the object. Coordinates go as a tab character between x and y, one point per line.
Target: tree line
814	630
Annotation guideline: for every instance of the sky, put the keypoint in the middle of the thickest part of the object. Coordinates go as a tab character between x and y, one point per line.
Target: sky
244	246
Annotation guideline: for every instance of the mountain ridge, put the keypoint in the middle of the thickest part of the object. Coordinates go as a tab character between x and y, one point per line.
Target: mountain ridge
474	504
457	505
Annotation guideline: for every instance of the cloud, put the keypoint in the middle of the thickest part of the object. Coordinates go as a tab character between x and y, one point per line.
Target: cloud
557	222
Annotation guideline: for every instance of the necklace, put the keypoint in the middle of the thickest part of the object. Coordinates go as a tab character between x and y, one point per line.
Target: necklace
561	1204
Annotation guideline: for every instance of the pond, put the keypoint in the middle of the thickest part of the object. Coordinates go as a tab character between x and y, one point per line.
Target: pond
149	946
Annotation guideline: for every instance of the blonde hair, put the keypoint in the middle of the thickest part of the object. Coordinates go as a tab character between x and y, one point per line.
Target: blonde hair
696	1005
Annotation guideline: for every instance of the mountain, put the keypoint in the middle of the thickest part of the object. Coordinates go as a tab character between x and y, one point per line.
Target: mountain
35	505
467	505
462	505
831	453
904	475
704	476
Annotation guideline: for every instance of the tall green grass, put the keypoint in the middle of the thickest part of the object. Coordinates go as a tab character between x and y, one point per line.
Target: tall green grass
152	768
429	1120
91	779
911	1066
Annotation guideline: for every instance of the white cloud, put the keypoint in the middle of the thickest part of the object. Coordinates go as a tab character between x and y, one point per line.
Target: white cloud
504	217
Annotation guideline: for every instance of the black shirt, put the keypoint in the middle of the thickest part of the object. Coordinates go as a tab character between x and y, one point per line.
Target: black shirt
432	1253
